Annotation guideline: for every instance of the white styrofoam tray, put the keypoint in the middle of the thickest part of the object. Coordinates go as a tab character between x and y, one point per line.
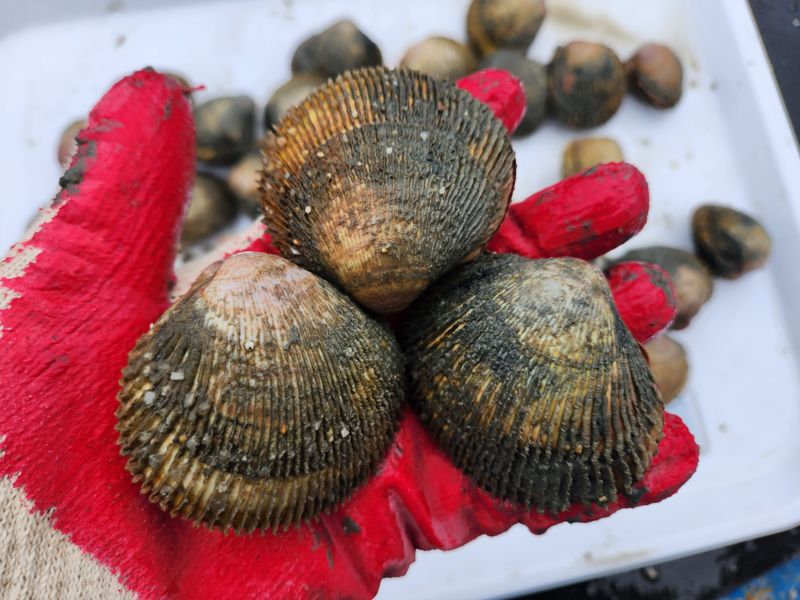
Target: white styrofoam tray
727	141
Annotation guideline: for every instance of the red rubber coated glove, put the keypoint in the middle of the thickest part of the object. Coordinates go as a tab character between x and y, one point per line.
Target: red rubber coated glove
75	296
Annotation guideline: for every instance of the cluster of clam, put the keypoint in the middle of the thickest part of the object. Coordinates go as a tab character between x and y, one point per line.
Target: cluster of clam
271	390
583	86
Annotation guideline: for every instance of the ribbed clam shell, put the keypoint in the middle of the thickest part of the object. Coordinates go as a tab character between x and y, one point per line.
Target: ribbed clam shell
260	398
383	180
526	376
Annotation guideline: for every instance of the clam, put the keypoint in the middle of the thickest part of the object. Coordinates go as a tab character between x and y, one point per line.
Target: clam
290	94
259	399
339	48
668	363
439	57
211	207
524	373
225	129
384	180
586	84
243	180
656	75
503	24
584	153
729	241
533	76
690	278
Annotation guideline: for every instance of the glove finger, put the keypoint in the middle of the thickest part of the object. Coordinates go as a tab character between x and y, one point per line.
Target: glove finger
644	296
584	216
500	91
74	297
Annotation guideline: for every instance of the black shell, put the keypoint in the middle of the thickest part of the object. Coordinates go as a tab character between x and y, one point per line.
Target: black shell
729	241
290	94
524	373
533	76
383	180
211	207
586	84
260	398
339	48
225	129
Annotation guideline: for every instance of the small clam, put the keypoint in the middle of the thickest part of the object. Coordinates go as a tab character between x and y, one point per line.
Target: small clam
503	24
383	180
525	375
339	48
690	278
243	180
290	94
67	144
440	57
730	242
533	76
224	129
211	207
656	75
586	84
259	399
587	152
667	360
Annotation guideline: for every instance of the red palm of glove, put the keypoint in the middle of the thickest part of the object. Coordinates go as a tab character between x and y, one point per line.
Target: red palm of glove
74	298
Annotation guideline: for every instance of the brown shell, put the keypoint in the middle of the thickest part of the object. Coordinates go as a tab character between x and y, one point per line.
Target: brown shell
383	180
669	365
260	398
584	153
503	24
690	278
729	241
533	77
586	84
656	75
440	57
524	373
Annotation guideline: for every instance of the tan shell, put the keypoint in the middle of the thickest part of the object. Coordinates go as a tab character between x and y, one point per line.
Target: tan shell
383	180
669	365
584	153
524	373
260	398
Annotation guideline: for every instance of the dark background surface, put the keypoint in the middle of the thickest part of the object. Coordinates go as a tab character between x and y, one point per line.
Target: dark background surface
713	574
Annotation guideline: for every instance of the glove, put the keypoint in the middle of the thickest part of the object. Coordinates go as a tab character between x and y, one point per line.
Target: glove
95	272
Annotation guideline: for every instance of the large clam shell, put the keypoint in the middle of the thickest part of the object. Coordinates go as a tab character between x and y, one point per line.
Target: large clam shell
383	180
260	398
526	376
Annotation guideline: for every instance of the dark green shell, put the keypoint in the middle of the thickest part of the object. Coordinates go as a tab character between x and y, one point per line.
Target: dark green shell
524	373
729	241
261	398
383	180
